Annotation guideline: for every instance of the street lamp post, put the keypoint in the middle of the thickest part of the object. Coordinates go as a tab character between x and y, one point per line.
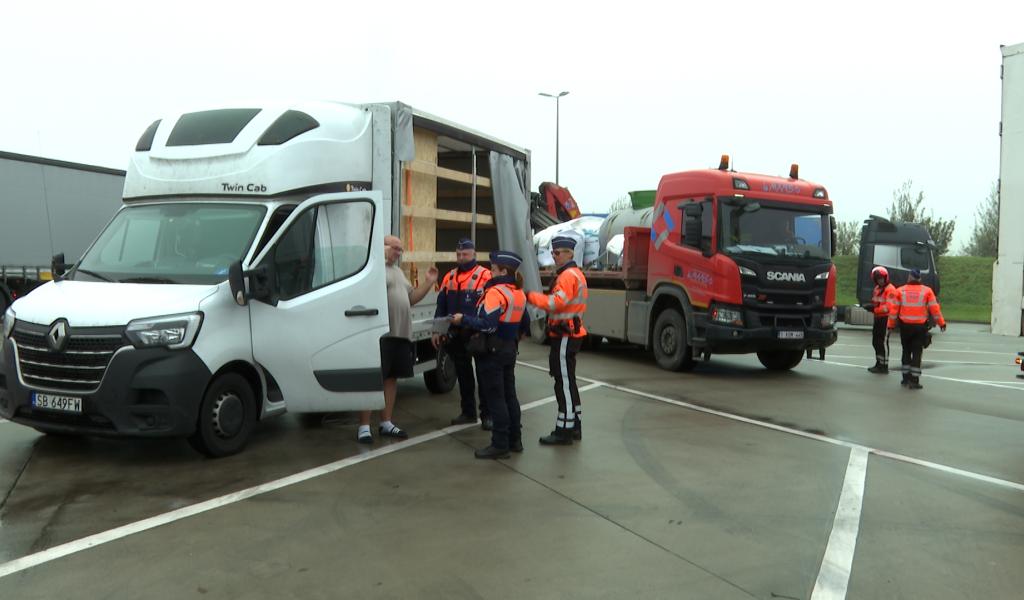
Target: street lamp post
557	98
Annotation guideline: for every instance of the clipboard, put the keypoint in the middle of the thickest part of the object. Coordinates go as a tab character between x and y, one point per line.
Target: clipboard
441	325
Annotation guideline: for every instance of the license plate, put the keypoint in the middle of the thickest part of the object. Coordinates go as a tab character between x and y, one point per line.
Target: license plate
61	403
791	335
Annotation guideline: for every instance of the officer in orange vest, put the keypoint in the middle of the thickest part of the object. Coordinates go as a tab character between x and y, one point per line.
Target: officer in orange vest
914	307
881	300
565	305
461	291
501	317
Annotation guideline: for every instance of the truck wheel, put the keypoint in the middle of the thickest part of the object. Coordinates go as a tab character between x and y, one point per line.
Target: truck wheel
670	348
227	416
780	360
442	379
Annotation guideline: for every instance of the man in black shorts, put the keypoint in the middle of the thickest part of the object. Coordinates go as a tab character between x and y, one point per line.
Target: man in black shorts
396	350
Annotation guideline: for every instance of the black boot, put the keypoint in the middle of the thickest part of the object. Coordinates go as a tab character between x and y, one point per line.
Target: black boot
577	432
558	437
516	445
464	419
915	383
879	369
906	380
491	452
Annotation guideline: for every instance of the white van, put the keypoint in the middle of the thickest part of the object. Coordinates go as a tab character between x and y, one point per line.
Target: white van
243	277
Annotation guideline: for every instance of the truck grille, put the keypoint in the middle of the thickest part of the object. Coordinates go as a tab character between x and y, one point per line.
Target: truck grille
79	368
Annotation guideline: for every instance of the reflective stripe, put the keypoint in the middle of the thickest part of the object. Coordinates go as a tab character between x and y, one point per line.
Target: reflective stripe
569	316
565	380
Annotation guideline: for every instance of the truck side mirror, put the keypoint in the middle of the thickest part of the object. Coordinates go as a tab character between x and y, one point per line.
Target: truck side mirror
833	237
692	214
236	279
57	266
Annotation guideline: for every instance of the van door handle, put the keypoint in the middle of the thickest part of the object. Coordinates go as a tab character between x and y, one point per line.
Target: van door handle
361	311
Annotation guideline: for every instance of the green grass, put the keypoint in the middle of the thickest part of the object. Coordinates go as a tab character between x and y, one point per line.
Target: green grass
965	295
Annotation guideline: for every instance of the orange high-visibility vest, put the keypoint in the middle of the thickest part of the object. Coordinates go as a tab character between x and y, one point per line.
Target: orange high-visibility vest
882	298
912	304
566	303
509	300
473	280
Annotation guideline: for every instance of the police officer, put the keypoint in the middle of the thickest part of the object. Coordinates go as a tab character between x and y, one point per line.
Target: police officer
881	299
461	290
565	304
501	318
914	306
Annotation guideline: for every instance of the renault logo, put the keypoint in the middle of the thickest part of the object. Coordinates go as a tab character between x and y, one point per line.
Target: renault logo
57	337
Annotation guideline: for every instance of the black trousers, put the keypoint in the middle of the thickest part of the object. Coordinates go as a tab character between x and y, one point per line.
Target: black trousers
913	338
878	331
456	348
497	372
562	366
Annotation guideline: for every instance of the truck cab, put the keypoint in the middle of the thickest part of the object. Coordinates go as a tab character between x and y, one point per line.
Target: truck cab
732	263
243	277
753	255
899	247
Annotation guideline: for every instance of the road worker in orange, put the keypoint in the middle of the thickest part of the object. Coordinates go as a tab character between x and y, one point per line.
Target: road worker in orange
881	301
914	308
565	304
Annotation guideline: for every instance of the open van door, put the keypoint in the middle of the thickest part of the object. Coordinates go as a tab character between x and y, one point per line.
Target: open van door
320	304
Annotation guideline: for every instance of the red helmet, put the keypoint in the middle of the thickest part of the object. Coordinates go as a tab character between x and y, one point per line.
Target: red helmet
880	272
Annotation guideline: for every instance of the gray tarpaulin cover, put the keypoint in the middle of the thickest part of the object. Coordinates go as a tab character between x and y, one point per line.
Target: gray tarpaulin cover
512	210
405	147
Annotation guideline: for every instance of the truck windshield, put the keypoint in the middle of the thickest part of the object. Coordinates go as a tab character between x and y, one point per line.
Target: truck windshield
184	243
755	228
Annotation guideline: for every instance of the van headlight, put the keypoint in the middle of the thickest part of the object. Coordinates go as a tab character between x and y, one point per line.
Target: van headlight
173	332
8	322
829	319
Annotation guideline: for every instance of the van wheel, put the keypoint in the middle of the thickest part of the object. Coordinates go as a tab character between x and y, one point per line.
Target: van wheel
670	348
227	416
780	360
442	379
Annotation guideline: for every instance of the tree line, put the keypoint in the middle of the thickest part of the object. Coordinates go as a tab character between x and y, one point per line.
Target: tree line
909	207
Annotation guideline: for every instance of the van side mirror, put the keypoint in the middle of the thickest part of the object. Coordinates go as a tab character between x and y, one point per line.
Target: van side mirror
57	266
261	283
692	214
236	279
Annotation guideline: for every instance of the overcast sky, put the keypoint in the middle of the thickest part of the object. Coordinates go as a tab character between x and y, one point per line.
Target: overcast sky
862	96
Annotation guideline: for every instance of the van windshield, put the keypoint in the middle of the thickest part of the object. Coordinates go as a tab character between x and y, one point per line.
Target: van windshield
183	243
757	228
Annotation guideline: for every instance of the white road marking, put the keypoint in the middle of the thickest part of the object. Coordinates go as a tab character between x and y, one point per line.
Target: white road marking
1004	386
834	575
1013	485
933	349
946	362
51	554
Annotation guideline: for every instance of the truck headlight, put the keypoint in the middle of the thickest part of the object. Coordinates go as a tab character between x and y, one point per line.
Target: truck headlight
729	316
821	276
173	332
829	319
8	322
747	272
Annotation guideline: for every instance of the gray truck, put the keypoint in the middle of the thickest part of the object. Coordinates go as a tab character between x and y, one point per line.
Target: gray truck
49	207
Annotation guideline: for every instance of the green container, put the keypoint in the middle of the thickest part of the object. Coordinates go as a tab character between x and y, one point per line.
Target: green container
642	198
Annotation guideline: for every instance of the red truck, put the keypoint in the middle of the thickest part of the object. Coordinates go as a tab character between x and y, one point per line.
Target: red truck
733	263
